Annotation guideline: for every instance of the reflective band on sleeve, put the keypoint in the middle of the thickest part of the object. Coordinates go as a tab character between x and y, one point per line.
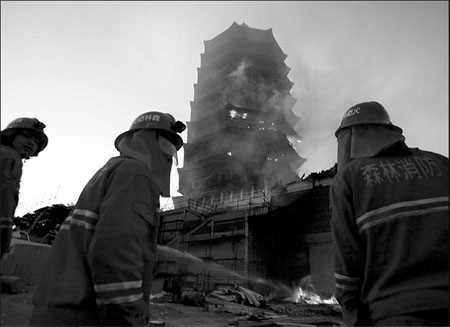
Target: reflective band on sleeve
119	292
6	222
84	218
121	299
117	286
346	287
347	278
346	282
86	213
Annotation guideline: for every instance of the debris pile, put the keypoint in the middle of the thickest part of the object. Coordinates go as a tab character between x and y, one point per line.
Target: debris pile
240	295
250	308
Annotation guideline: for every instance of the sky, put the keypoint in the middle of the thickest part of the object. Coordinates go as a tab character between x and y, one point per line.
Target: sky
87	69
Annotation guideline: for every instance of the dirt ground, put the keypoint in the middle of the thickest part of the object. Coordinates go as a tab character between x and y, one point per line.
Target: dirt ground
16	311
16	308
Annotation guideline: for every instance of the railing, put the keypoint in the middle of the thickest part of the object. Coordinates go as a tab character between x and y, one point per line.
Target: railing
231	201
189	203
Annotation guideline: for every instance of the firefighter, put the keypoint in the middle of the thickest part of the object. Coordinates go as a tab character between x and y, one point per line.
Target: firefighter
389	225
22	139
99	271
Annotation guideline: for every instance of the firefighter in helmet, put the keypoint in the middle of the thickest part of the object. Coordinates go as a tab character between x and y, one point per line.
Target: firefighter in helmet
100	267
22	139
389	225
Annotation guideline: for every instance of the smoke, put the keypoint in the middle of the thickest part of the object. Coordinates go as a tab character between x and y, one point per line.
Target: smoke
324	94
240	90
315	128
320	96
269	105
247	88
369	58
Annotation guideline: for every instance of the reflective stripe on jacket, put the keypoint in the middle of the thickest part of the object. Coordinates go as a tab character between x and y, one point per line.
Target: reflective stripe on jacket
390	235
103	256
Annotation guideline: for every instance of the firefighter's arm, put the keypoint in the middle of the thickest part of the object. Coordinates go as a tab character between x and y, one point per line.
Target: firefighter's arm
348	254
6	219
120	248
10	176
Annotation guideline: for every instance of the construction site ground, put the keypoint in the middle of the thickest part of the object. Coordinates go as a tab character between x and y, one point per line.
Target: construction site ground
16	311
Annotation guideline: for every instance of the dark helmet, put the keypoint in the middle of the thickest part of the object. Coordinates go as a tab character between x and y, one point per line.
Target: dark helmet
366	113
164	123
32	125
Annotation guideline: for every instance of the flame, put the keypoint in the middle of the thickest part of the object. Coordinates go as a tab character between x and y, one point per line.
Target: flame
313	298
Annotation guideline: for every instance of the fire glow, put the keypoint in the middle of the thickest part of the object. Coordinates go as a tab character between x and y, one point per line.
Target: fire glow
308	297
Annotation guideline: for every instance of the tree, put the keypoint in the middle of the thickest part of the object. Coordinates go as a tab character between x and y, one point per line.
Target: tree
44	221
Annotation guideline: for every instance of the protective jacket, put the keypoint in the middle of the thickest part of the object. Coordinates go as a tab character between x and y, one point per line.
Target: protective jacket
11	165
390	235
100	268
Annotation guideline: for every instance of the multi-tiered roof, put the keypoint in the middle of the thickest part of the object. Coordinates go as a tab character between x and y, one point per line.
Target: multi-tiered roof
238	132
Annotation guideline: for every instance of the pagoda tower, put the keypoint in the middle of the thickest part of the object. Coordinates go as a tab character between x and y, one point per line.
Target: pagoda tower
240	130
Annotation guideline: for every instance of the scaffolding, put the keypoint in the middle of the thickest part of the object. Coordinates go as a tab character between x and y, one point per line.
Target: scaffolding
217	235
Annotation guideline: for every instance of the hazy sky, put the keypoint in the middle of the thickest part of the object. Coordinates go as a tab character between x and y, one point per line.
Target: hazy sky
87	69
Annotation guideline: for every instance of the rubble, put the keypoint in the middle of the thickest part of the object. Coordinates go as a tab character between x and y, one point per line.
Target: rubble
249	308
240	295
252	309
193	298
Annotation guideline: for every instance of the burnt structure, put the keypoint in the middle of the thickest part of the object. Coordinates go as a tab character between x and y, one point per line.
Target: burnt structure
257	240
237	134
245	216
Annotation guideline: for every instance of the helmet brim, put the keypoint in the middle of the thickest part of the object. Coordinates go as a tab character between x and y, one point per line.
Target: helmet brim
390	126
172	137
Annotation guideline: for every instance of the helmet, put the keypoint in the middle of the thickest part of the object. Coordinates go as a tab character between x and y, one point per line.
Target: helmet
366	113
30	124
163	123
